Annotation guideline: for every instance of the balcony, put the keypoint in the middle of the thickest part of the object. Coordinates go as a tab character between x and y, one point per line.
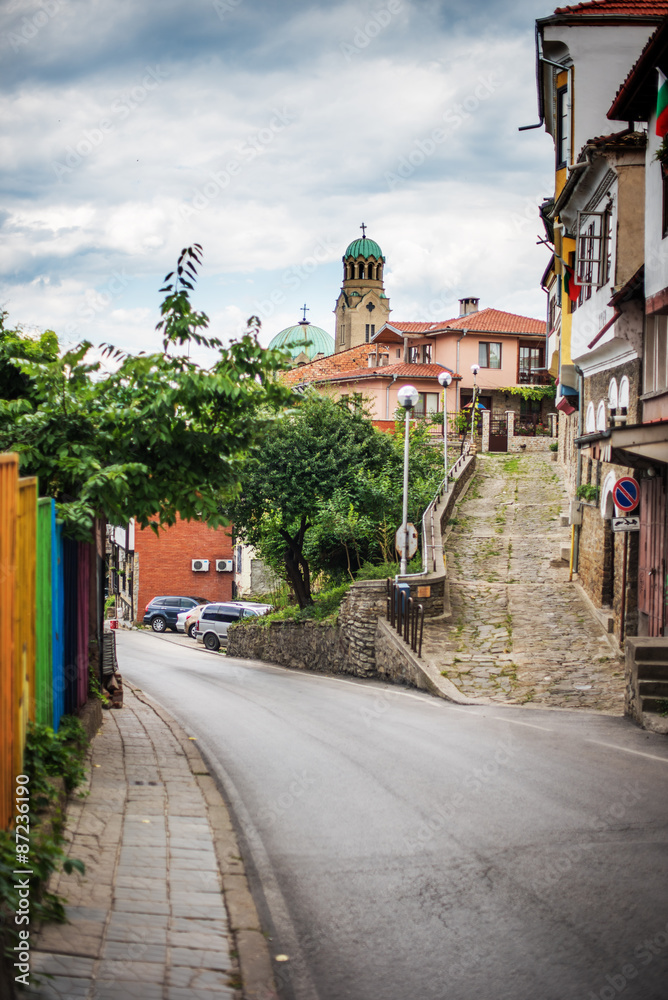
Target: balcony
534	376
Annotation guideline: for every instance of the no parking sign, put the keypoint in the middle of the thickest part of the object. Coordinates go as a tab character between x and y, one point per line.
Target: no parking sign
626	494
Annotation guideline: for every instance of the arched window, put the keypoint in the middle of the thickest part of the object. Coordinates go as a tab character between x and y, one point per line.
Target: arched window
623	401
360	270
607	503
371	272
612	394
379	272
590	422
600	417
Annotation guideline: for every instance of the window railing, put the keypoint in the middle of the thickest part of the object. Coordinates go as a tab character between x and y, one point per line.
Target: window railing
534	376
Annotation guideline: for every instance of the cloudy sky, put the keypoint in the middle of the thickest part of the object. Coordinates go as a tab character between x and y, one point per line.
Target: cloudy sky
267	131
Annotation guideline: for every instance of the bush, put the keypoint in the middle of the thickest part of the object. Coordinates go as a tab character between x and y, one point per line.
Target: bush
554	446
381	571
588	492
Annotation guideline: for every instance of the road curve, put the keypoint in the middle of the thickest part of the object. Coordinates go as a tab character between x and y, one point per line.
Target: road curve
402	847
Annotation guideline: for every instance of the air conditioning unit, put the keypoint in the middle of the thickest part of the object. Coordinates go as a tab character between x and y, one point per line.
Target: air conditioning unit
224	565
200	565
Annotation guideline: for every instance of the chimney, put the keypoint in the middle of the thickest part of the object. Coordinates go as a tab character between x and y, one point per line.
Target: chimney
467	306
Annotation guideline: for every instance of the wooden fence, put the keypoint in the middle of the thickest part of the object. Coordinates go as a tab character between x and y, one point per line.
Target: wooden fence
45	616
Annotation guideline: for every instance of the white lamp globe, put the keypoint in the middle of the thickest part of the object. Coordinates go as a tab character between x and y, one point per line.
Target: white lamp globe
475	369
445	378
408	396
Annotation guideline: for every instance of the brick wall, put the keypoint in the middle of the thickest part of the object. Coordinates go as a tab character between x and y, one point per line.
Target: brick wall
163	563
594	559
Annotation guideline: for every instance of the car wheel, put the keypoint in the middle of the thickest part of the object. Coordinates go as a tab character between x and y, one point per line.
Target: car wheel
158	624
192	629
211	641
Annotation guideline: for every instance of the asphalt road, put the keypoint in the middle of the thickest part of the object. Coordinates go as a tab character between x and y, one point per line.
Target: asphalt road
404	848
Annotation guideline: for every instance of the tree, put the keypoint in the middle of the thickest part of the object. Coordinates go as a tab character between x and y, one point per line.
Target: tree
319	494
159	436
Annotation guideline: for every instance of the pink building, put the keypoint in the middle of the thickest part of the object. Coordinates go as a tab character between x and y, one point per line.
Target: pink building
509	350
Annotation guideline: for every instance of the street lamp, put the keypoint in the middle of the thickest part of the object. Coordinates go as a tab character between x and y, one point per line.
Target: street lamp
445	378
407	397
475	369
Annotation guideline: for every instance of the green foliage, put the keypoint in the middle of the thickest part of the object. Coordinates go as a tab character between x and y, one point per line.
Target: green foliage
381	571
47	755
324	493
95	689
62	753
554	446
535	393
587	491
325	607
158	435
17	347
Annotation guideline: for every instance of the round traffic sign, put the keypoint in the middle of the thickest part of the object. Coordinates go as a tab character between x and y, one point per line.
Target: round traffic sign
626	494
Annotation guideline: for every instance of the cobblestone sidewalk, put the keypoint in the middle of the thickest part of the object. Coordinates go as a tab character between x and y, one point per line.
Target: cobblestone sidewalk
520	632
148	920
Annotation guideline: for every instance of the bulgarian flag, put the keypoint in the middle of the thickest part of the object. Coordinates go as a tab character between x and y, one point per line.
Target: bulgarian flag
571	288
662	106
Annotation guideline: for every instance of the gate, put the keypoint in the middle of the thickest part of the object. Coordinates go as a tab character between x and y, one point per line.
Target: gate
498	432
652	554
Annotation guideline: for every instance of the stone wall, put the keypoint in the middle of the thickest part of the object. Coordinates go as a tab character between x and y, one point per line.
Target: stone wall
568	431
596	389
346	648
601	567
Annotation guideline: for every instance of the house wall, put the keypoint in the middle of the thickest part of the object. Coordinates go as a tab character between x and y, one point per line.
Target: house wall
163	563
656	247
602	56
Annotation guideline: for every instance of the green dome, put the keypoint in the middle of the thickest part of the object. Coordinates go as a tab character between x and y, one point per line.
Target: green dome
294	340
364	248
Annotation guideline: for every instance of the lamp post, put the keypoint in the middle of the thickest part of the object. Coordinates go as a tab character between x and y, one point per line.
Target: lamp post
445	378
475	369
407	397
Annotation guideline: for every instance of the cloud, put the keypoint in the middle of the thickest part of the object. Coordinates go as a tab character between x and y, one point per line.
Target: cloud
267	133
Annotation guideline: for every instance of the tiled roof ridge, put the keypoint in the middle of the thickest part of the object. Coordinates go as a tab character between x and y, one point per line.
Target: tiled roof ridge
416	370
628	8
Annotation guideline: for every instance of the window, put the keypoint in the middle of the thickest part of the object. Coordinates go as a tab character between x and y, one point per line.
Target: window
590	422
489	355
600	417
360	270
426	354
427	404
592	266
624	388
655	376
563	137
398	352
612	395
413	355
369	332
532	366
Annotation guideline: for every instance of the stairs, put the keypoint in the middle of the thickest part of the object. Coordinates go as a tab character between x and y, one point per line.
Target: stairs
647	682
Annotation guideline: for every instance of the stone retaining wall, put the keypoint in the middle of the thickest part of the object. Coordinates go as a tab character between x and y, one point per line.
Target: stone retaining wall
352	646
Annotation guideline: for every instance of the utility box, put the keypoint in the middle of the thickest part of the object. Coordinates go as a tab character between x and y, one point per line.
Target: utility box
575	512
403	592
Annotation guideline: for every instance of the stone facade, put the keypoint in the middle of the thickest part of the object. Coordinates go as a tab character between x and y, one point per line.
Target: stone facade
596	389
568	431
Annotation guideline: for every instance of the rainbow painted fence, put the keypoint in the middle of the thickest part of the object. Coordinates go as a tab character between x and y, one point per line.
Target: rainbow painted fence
45	620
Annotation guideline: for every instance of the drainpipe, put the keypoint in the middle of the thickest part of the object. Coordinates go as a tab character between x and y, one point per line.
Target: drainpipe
387	396
458	393
578	473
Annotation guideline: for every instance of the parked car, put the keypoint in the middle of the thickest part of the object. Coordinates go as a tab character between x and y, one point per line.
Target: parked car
215	619
187	621
161	613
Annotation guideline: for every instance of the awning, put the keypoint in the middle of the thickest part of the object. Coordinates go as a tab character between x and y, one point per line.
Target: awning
629	445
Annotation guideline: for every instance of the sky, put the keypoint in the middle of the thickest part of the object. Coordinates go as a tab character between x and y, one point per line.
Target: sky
268	132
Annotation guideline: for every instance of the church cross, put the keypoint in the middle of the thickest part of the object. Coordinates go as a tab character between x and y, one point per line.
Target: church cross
305	311
363	228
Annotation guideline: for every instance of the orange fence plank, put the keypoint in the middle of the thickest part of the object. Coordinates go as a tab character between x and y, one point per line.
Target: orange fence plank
9	475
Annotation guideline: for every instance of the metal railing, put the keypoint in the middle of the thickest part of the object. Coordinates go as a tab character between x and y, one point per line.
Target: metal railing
405	616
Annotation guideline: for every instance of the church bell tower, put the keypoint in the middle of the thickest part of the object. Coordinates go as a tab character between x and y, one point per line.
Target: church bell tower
362	306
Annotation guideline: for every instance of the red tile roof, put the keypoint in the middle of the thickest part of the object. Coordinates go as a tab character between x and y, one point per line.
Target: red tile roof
413	327
619	8
494	321
401	371
333	364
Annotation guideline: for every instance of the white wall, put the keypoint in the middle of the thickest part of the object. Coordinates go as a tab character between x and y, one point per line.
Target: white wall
602	57
656	248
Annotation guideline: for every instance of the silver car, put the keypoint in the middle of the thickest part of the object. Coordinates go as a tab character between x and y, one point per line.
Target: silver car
215	620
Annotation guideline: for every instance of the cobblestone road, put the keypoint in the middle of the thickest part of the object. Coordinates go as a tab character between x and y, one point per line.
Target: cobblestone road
519	631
